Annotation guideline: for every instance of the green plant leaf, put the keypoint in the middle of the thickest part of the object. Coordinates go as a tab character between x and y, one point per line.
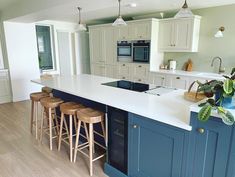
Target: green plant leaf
228	86
204	113
202	104
233	71
226	115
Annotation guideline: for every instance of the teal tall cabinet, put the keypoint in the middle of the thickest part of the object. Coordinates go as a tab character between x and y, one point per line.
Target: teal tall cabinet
156	149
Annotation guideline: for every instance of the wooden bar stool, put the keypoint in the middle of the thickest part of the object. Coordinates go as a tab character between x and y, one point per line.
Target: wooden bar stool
69	109
47	90
49	105
35	99
91	117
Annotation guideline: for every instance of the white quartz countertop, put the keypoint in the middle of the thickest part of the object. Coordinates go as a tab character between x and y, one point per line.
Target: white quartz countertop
170	108
196	74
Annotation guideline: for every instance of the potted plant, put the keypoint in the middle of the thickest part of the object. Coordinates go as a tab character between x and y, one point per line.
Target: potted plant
220	97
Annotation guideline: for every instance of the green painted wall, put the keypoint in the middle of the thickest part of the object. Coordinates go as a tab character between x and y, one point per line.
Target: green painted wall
209	46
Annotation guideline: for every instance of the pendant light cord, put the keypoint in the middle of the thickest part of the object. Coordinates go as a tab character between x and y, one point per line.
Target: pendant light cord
119	10
79	10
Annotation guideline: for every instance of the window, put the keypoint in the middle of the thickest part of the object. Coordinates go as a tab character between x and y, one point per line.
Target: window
45	52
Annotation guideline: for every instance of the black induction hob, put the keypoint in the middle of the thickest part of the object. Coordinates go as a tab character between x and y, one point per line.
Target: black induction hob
138	87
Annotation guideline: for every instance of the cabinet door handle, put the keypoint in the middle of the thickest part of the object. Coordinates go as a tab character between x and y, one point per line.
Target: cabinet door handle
123	65
163	78
139	80
140	66
123	78
177	77
201	130
135	126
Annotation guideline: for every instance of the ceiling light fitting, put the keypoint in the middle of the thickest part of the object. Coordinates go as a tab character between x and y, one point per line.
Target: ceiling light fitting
184	12
119	21
81	27
219	33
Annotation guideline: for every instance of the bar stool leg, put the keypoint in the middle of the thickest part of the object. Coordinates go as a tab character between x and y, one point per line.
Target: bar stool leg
71	136
50	128
36	120
61	128
42	122
56	122
77	140
32	116
103	130
86	131
91	148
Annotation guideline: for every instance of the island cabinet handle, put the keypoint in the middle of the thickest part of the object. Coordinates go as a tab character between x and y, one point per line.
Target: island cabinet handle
135	126
201	130
177	77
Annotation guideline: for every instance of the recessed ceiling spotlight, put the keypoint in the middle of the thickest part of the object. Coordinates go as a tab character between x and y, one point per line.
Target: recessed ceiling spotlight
132	5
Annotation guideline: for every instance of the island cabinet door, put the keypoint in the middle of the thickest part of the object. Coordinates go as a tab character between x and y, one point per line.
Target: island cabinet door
155	149
210	148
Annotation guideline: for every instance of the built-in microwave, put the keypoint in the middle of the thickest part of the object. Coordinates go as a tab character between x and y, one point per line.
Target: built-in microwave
141	51
124	51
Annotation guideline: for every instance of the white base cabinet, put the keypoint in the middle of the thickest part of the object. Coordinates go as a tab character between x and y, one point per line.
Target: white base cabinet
5	90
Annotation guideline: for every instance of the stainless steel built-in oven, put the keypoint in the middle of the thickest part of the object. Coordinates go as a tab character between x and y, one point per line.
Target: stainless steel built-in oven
141	51
124	51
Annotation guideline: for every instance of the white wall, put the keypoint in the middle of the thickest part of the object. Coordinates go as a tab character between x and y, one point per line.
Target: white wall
65	53
1	56
23	58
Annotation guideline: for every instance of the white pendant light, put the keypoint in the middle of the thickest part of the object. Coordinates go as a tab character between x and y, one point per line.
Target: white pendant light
81	27
184	12
119	21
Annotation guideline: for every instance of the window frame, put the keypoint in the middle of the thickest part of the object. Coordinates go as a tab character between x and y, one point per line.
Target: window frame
52	39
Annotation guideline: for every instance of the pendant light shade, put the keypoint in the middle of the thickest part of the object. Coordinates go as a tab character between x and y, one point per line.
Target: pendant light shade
119	21
184	12
80	27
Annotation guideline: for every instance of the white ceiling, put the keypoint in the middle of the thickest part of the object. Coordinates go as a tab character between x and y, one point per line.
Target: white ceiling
102	9
6	3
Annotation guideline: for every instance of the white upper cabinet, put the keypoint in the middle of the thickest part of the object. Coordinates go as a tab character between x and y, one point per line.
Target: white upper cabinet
96	45
123	32
179	35
140	30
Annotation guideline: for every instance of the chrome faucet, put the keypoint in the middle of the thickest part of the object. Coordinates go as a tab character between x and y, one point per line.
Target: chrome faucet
221	70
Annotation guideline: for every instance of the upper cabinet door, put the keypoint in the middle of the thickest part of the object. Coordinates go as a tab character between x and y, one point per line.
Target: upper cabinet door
96	45
179	35
182	34
110	45
166	34
123	33
140	31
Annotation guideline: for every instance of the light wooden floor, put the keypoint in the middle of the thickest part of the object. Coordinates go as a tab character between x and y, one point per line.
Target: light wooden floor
22	156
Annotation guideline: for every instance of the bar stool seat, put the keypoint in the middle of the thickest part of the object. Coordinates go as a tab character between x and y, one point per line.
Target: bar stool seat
49	112
35	98
51	102
47	90
69	109
89	116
